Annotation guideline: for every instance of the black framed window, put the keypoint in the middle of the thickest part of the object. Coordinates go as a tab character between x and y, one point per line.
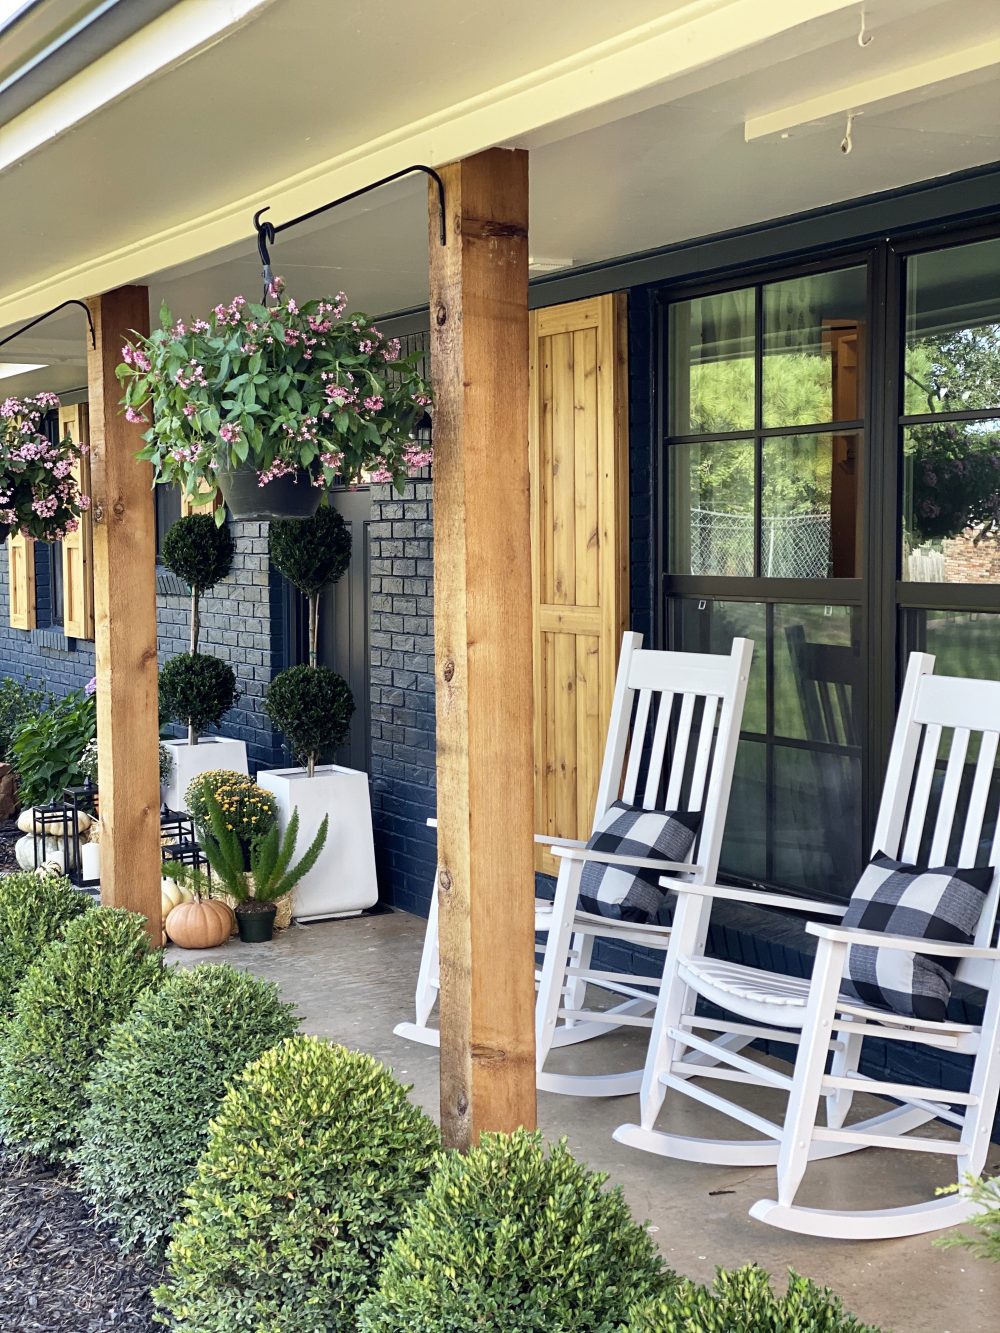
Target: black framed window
830	488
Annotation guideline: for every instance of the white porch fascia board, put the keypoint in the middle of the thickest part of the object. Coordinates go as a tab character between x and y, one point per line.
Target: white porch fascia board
879	88
605	75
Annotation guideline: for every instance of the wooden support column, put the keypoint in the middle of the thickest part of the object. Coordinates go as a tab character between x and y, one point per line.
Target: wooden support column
125	623
483	646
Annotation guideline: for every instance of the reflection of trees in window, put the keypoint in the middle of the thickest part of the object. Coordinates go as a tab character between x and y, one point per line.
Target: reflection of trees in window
954	372
955	470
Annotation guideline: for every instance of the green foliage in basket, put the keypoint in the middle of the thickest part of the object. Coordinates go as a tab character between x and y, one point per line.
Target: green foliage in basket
64	1012
514	1237
159	1083
312	1160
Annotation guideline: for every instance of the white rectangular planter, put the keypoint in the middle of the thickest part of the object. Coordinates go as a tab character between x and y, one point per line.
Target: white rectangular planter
342	882
190	760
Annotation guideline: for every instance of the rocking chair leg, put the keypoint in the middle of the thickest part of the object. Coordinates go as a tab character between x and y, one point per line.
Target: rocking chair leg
844	1063
553	978
576	991
810	1066
429	965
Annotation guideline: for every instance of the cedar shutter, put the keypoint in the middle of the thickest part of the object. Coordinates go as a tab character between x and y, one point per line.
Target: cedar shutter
78	546
21	561
579	554
188	505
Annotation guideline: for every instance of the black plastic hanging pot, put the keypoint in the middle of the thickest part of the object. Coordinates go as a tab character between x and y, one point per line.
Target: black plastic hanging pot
293	496
5	531
255	921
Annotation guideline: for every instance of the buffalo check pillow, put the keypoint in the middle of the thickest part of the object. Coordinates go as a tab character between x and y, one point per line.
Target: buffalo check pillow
930	903
625	892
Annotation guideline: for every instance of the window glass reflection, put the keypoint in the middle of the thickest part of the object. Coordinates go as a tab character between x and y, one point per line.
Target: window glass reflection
711	344
951	502
810	498
712	508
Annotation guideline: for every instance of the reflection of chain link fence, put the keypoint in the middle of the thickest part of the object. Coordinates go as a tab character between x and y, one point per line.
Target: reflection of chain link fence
792	546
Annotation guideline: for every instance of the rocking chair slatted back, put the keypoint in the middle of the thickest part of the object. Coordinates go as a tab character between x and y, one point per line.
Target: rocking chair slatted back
947	819
670	739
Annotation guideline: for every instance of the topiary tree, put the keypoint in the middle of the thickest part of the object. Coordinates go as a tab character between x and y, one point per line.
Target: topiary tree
312	1160
312	553
743	1301
157	1086
313	707
201	553
34	911
516	1238
70	999
197	689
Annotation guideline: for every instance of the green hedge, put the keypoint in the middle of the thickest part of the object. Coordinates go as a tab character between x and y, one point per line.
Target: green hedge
743	1301
34	911
71	998
160	1081
516	1238
312	1160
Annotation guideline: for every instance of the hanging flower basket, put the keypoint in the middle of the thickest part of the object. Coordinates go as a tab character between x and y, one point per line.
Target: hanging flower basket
298	395
39	491
291	495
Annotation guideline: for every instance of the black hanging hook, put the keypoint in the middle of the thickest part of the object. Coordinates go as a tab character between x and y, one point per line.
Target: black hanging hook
55	310
267	231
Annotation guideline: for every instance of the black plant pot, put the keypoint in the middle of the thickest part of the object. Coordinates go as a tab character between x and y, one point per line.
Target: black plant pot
285	497
5	531
255	922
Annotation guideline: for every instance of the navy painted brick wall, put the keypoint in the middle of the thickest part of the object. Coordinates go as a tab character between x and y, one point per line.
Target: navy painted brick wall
242	622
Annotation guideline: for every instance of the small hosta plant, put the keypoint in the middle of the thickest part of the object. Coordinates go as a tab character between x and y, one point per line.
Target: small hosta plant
280	388
312	1161
64	1012
34	911
743	1301
49	746
516	1237
39	493
157	1086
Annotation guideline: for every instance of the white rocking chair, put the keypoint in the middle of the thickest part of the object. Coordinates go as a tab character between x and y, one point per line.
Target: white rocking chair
830	1030
687	707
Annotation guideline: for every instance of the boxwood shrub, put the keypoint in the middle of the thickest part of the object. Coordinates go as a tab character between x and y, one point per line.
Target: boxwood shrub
743	1301
34	911
71	998
312	1160
159	1082
515	1237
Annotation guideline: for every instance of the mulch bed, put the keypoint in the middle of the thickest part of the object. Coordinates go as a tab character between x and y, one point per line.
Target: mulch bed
9	834
60	1272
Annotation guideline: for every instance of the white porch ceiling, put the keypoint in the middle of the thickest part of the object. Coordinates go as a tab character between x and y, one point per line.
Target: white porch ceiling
640	162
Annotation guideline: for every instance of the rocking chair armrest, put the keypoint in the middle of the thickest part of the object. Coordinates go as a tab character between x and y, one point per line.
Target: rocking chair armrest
548	840
875	939
757	898
581	852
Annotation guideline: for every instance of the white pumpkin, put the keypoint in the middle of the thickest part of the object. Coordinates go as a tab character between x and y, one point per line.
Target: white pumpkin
171	895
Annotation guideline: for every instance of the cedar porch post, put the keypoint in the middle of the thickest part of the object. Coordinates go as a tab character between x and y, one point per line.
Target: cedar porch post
125	623
483	646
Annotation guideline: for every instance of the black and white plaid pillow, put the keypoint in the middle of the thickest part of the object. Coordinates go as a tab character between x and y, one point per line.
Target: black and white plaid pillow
927	902
625	892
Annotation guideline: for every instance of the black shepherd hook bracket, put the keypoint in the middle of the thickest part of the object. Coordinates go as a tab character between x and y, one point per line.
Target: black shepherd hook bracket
54	311
267	231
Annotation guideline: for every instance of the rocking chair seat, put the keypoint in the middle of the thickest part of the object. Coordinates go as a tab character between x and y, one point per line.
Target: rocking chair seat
721	983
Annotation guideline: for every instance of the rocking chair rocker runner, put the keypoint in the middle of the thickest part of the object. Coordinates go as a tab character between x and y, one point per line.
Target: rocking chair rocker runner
671	746
949	820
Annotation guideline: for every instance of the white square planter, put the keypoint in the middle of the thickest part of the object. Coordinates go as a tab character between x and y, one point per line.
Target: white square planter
342	882
190	760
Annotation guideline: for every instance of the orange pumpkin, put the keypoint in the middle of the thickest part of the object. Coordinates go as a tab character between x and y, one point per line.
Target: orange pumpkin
203	924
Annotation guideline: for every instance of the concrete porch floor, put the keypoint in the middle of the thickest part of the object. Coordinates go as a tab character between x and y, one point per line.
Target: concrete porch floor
353	981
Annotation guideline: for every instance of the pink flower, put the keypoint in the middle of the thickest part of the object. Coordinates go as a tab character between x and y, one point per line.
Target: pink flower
230	431
132	415
374	402
381	475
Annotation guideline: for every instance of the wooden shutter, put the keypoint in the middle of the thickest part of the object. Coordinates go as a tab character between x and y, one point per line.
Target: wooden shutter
188	505
579	554
78	546
21	562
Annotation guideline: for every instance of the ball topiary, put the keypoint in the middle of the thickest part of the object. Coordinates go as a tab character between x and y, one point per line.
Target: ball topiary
197	689
743	1301
198	551
34	911
71	998
311	553
513	1237
312	1159
159	1082
313	707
